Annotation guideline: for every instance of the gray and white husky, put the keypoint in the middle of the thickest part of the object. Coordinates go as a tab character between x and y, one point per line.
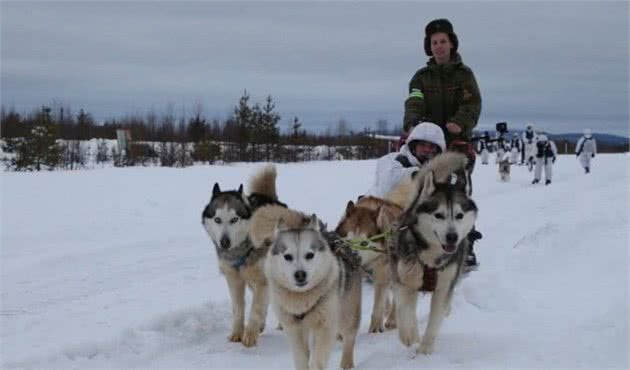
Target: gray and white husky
314	291
226	219
429	249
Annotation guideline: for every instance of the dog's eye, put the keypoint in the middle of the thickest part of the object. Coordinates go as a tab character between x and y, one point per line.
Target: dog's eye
217	220
288	257
234	220
309	255
439	216
459	216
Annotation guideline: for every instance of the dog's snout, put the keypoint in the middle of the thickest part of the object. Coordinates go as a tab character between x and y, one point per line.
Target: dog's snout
300	276
225	242
451	238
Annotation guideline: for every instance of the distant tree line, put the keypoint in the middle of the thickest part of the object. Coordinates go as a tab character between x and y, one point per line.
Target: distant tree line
52	138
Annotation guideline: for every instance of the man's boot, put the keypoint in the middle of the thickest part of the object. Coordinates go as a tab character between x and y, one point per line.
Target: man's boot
471	259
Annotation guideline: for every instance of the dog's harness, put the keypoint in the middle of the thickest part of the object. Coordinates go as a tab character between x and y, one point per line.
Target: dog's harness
429	279
301	316
240	262
342	249
429	274
363	244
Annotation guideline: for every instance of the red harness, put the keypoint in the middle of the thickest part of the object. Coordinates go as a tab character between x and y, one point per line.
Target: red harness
429	279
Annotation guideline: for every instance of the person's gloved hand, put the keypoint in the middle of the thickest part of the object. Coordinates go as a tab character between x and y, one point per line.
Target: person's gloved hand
464	147
577	154
593	155
453	128
553	160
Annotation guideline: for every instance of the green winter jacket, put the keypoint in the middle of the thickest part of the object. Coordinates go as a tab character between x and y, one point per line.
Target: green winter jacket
444	93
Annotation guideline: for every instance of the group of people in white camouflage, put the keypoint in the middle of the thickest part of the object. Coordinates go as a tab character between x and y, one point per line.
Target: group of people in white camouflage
535	151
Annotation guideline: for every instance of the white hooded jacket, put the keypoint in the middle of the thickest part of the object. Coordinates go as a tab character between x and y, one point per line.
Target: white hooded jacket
586	146
390	171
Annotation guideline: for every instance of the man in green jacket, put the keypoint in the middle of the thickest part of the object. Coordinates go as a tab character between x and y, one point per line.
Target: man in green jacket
445	92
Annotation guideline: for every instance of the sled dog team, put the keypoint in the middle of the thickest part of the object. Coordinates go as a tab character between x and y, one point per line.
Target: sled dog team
412	240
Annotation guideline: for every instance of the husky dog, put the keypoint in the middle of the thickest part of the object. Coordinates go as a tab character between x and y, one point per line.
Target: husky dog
504	169
429	248
369	217
226	219
314	291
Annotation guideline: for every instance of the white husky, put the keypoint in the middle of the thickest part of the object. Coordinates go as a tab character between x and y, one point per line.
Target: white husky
314	292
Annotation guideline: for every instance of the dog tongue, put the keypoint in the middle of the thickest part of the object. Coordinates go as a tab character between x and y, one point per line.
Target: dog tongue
449	248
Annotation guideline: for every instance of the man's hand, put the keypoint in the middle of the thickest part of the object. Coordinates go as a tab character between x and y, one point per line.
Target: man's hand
453	128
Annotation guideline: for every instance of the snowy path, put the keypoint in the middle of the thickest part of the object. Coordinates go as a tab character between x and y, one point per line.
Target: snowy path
111	269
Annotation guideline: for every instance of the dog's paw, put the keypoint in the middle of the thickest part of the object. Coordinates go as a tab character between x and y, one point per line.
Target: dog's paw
346	364
407	336
339	337
279	327
235	337
376	326
426	347
390	324
250	337
262	327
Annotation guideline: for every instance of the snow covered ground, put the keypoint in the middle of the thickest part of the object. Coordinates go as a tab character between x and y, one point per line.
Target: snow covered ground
110	268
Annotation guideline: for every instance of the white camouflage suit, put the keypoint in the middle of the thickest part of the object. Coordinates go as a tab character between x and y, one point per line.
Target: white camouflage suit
529	139
546	153
390	170
586	149
501	146
482	149
517	147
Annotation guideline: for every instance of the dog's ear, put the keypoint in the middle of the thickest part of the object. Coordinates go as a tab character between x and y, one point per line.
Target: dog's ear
460	180
428	186
349	207
240	188
387	215
280	226
313	223
216	189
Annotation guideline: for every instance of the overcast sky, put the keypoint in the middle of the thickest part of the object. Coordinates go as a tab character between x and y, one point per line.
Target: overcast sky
562	65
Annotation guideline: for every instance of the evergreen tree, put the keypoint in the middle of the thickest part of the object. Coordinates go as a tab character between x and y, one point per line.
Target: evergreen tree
269	127
242	119
101	152
39	150
197	128
85	122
